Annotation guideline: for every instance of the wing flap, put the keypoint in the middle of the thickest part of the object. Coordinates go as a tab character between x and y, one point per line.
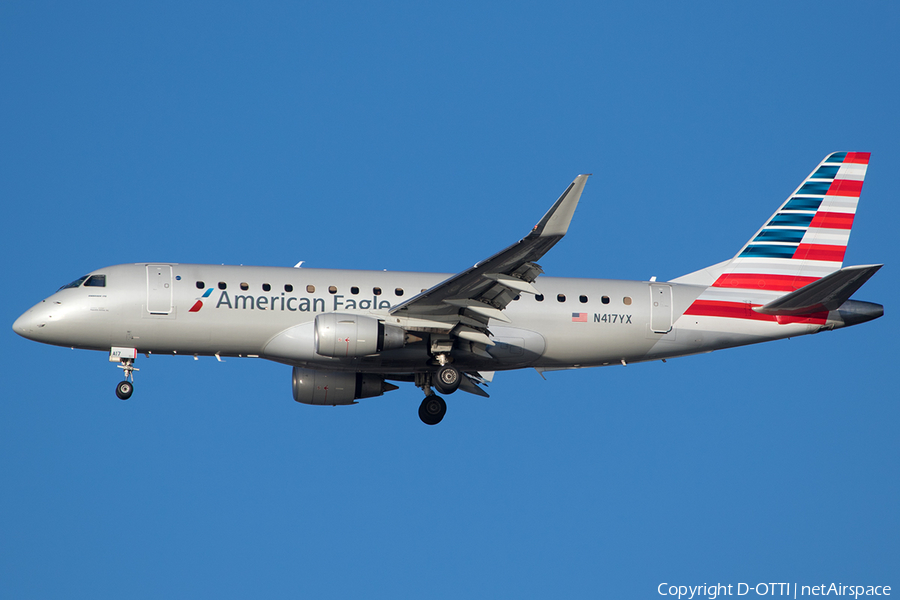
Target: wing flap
513	283
469	384
471	334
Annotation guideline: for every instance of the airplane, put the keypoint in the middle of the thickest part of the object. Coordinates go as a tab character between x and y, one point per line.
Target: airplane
348	334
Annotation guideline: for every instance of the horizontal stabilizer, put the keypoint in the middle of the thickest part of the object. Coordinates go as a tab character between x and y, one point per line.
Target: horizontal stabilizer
825	294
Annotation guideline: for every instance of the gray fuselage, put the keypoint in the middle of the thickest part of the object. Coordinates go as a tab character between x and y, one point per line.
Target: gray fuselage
268	312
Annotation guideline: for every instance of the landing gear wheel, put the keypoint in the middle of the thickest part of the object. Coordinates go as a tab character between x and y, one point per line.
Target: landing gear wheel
124	390
447	379
432	410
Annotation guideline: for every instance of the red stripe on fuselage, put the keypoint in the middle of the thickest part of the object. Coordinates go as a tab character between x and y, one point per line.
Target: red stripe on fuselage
731	310
832	220
820	252
752	281
743	310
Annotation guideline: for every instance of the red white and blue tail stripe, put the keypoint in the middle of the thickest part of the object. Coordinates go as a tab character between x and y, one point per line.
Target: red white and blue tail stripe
802	242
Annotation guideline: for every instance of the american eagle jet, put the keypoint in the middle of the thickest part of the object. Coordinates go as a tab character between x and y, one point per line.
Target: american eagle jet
347	334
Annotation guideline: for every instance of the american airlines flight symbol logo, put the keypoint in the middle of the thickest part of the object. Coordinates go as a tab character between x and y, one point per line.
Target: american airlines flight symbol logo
199	304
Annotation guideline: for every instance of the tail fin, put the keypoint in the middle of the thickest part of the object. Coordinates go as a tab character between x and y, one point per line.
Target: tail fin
808	235
803	241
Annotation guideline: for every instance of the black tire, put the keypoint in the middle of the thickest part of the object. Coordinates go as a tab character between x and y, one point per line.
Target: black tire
124	390
432	410
447	379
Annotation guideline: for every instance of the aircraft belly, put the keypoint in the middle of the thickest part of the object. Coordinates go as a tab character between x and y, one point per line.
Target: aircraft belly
513	348
594	344
704	333
176	333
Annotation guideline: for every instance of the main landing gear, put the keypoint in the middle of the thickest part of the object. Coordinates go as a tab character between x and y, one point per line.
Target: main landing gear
432	409
446	380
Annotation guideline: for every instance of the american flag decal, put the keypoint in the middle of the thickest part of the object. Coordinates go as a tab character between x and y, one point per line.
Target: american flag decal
579	317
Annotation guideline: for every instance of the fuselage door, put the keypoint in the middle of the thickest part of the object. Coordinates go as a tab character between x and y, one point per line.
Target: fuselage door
159	289
660	308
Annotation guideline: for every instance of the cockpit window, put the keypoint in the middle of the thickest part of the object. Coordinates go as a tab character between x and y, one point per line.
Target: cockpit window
75	283
96	281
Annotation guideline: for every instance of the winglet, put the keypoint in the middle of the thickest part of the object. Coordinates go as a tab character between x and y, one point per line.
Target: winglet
556	221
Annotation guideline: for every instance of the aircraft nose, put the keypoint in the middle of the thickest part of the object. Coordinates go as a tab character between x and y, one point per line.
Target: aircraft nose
29	324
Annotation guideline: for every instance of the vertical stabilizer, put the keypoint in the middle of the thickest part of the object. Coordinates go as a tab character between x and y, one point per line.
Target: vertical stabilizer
808	235
802	242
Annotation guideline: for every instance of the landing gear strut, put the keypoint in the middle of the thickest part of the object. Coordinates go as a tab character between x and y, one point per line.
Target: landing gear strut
445	379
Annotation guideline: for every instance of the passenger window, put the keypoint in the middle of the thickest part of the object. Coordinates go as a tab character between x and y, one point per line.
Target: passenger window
605	299
245	286
332	289
267	287
399	291
96	281
561	297
583	299
627	300
288	287
539	297
354	290
222	285
310	289
200	285
376	291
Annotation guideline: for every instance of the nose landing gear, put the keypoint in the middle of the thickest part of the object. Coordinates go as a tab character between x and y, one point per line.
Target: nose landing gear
124	390
125	357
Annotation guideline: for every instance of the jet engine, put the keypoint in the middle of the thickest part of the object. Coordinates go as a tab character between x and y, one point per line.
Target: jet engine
341	335
332	388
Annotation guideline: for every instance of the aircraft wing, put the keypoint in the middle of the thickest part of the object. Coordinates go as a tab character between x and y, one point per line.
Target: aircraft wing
467	301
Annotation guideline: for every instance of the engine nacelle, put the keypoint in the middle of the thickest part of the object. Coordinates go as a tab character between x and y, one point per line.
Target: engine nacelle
332	388
342	335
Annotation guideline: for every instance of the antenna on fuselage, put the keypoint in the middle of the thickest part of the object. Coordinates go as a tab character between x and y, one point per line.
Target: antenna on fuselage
297	266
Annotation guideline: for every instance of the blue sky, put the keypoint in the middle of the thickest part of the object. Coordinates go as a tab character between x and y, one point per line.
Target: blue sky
425	138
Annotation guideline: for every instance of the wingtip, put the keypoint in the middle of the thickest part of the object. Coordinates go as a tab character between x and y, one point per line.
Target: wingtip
556	221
